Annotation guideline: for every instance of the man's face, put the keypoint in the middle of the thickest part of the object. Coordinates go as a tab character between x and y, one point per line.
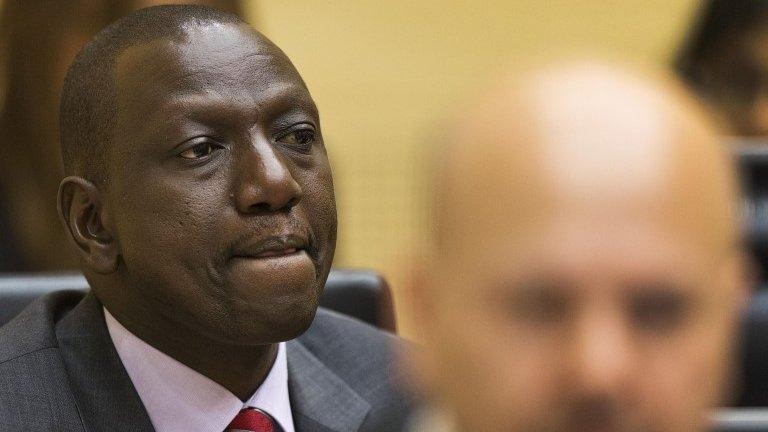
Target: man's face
599	323
220	190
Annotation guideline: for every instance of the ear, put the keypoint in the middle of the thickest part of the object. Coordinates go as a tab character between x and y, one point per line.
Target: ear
738	277
417	361
745	273
84	216
417	295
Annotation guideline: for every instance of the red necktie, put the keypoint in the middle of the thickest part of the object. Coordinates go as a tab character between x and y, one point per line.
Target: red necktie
253	420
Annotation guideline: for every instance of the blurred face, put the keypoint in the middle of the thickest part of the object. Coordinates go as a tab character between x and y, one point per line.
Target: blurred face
220	190
585	276
582	325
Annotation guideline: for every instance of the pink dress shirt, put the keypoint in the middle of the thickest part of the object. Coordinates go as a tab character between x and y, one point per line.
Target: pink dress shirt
179	399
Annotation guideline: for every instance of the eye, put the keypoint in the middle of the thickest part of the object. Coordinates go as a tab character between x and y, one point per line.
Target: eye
539	303
659	311
301	139
200	150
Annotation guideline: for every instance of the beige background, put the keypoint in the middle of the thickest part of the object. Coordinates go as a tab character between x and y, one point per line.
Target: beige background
383	73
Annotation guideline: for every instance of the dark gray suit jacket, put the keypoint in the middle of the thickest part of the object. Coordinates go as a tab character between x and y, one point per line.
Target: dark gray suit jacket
60	372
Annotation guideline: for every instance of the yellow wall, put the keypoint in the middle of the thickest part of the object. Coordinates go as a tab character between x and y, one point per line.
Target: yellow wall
383	72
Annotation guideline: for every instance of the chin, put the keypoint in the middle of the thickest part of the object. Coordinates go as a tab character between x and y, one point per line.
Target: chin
297	325
279	323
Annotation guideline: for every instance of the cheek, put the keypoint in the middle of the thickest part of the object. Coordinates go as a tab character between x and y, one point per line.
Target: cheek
684	377
320	202
497	376
168	226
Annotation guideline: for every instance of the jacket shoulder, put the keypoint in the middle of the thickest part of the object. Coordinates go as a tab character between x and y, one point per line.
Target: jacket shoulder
32	375
366	358
34	328
359	348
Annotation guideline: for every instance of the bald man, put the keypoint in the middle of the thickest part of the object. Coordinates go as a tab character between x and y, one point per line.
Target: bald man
587	273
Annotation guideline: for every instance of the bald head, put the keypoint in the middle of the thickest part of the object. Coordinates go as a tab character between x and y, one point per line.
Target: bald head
589	139
89	96
586	231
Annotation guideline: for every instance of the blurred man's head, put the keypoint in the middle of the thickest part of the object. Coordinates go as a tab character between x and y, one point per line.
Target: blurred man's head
199	192
586	271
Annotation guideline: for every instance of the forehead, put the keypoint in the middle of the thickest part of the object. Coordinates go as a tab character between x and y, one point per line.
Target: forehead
217	60
589	248
596	149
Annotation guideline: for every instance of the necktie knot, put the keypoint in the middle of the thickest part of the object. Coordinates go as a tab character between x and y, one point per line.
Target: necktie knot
253	420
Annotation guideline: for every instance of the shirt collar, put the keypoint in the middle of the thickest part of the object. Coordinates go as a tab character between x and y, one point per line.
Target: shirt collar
431	419
178	398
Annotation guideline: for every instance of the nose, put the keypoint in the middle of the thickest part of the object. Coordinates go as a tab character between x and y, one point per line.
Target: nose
602	355
265	183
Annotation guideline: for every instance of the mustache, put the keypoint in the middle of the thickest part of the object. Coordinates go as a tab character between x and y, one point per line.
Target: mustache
273	226
598	413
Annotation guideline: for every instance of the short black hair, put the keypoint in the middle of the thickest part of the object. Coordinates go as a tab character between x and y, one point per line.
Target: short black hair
717	21
88	98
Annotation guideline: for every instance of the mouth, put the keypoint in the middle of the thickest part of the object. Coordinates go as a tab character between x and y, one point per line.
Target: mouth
271	247
277	253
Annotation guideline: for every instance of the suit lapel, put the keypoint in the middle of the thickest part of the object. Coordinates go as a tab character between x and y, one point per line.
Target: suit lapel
320	400
103	391
107	400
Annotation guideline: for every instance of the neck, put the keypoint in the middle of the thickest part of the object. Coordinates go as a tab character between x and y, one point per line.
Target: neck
239	368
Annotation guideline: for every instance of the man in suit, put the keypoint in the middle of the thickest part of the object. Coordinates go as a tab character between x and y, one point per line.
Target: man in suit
199	197
586	263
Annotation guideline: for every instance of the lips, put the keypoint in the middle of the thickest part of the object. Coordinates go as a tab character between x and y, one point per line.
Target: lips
271	247
277	252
